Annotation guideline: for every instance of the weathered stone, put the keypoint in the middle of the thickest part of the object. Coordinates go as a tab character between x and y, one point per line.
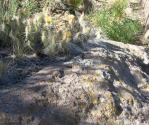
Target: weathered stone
109	83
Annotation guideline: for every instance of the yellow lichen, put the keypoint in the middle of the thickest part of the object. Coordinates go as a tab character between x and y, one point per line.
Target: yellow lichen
130	101
96	102
145	87
96	74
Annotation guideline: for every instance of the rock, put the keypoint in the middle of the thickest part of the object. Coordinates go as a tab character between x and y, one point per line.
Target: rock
146	12
59	73
128	12
74	49
146	36
108	84
77	68
135	1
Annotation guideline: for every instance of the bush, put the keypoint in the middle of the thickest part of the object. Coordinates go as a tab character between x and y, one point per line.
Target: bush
124	31
115	24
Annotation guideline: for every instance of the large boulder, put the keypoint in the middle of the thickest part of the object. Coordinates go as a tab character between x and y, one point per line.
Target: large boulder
107	84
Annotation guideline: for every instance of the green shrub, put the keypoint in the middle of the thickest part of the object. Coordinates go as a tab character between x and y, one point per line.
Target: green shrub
31	7
124	31
115	24
116	9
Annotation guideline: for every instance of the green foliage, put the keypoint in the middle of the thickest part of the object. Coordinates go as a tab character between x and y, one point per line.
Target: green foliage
74	3
8	8
115	24
124	31
117	8
31	7
47	3
12	8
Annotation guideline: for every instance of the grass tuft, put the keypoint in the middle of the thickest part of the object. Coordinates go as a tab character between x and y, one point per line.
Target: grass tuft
115	23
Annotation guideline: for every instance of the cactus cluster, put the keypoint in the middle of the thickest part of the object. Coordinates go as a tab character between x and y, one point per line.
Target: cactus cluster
12	30
41	32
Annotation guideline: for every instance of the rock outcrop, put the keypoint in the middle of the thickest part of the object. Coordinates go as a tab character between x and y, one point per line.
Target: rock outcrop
107	84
